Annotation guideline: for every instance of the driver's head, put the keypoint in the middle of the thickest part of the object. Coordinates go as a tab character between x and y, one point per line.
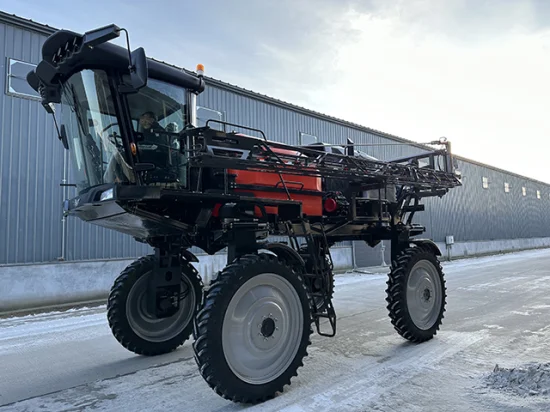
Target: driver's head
147	119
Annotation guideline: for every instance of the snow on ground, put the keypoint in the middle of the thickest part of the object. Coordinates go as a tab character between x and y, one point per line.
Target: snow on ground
497	314
42	329
525	380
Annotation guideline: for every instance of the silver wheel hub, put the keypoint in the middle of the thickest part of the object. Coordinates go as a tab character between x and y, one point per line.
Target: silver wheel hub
424	296
145	324
262	328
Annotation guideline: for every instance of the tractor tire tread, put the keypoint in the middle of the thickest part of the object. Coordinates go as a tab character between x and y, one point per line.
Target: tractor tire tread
212	364
116	309
396	292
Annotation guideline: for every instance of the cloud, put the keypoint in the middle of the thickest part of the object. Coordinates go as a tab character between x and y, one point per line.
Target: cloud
474	71
426	69
462	21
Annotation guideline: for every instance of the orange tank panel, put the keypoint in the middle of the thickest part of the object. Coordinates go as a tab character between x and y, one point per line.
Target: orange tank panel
312	203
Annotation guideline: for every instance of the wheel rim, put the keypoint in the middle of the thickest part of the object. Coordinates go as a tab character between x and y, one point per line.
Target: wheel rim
146	325
424	294
262	328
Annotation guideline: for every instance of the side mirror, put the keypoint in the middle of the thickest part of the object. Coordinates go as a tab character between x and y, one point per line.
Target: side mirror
63	137
139	71
137	58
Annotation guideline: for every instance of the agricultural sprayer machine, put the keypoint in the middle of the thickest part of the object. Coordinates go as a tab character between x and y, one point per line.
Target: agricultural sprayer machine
142	166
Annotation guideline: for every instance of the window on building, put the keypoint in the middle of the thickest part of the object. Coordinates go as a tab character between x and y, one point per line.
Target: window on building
538	194
485	182
524	191
507	187
17	79
306	139
204	114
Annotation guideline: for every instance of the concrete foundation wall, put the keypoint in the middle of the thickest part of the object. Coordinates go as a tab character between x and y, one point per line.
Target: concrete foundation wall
25	287
366	256
467	249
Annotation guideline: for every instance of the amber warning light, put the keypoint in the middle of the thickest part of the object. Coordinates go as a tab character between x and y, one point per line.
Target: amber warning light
200	69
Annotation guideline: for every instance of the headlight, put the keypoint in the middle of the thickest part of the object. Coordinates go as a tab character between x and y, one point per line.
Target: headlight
107	195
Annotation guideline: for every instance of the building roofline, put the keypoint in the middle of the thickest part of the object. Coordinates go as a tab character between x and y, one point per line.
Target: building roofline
26	23
47	30
310	112
267	99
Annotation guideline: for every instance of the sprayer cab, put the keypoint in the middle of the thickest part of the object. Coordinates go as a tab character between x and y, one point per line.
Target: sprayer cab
121	113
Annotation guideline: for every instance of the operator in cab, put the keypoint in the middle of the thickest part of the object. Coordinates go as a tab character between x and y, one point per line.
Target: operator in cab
158	145
152	138
148	123
118	170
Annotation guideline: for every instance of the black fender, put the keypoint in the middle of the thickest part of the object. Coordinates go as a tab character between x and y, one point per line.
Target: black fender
190	257
285	252
428	244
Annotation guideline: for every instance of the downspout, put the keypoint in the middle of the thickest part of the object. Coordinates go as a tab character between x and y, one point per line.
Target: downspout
64	219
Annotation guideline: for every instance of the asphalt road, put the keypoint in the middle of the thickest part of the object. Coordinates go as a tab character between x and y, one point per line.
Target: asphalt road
497	313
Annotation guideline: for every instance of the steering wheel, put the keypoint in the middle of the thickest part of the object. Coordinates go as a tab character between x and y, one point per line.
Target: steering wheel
109	126
114	139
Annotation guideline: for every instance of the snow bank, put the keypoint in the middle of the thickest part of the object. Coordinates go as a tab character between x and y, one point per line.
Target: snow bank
529	380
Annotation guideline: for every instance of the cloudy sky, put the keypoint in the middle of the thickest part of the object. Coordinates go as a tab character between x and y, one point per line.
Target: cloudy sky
475	71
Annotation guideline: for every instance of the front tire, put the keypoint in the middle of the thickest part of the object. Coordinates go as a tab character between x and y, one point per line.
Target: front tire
416	294
131	323
253	331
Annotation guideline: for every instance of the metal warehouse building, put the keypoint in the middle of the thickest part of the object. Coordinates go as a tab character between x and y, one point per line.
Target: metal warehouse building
494	210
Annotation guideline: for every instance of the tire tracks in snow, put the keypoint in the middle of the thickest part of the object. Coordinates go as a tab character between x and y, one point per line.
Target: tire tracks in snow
367	379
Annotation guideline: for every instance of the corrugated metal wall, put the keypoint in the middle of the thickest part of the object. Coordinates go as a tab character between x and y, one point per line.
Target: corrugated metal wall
31	164
32	158
472	212
285	125
475	213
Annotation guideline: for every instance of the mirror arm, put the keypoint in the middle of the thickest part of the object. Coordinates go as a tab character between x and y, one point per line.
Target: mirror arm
61	133
131	64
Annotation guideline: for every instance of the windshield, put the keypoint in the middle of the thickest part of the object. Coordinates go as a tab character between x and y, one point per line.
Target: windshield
93	133
158	114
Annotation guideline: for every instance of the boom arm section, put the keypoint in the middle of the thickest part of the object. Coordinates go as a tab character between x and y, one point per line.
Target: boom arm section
212	148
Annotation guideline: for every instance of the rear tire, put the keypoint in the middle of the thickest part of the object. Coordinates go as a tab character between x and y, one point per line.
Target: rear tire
132	325
416	294
253	331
